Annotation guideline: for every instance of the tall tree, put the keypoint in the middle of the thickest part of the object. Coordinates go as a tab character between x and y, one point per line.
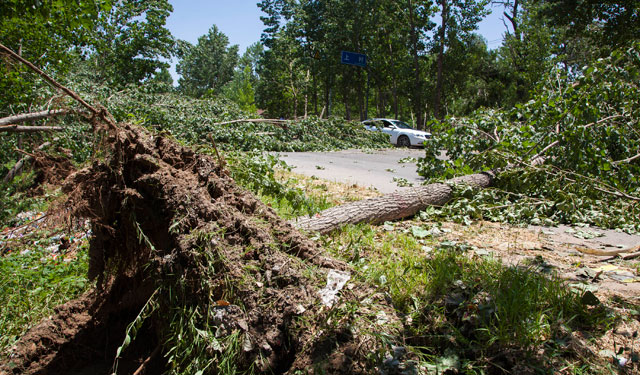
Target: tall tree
609	23
240	90
133	40
527	51
251	58
206	67
419	13
459	19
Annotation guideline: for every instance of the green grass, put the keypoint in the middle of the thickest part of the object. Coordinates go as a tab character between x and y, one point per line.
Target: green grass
473	308
32	283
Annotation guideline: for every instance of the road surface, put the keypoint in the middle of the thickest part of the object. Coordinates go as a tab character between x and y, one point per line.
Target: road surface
369	168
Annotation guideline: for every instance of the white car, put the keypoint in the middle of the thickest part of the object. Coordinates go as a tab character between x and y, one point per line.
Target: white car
400	133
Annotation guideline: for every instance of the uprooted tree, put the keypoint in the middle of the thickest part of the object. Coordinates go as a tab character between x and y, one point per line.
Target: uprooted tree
193	272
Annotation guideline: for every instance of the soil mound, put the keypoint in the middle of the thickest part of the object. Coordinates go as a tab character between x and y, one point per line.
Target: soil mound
194	273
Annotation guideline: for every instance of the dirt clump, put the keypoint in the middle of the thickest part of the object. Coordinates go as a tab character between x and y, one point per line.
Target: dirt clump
50	170
194	273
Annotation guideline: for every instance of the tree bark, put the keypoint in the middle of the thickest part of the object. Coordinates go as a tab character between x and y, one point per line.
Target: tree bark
394	206
32	116
28	129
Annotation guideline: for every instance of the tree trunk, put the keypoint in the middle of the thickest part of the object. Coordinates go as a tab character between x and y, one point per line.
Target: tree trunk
394	206
438	96
361	93
417	94
513	18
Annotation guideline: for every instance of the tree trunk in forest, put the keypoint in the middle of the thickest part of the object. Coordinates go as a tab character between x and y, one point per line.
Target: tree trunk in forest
438	95
361	89
395	97
513	18
417	95
394	206
345	100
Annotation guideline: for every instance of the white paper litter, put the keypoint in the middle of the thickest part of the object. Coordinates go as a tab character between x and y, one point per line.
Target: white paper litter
335	281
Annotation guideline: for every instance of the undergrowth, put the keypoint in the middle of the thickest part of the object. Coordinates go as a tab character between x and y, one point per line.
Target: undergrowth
14	199
34	280
470	314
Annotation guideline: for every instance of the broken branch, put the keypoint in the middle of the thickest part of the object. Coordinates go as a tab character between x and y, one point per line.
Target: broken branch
32	116
273	121
49	79
17	168
28	129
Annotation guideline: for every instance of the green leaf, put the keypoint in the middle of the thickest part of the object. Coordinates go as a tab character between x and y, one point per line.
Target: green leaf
419	232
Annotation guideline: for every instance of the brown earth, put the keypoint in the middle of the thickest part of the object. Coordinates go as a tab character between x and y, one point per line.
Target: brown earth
50	170
183	258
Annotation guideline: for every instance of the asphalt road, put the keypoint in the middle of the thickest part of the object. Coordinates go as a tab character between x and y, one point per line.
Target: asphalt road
376	169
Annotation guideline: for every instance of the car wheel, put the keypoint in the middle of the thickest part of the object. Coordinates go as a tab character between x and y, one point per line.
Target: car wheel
403	141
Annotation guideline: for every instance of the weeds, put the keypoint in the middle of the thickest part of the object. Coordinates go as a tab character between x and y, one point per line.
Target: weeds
478	310
32	282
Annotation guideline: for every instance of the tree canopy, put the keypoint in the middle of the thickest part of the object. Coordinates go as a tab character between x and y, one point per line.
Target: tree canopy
206	67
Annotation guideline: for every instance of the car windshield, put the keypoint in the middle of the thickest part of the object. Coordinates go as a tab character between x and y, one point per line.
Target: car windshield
401	125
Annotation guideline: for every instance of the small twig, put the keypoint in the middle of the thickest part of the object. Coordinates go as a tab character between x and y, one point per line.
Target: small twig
601	121
144	364
536	156
511	204
273	121
487	135
593	280
624	257
632	256
13	230
25	152
627	160
614	191
221	161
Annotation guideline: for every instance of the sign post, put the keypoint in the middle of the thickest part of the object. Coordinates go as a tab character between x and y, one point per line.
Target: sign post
352	58
357	59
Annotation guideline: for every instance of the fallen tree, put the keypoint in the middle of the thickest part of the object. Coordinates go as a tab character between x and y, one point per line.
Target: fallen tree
194	272
394	206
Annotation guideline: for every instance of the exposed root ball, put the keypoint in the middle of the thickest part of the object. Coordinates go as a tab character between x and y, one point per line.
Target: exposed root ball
194	273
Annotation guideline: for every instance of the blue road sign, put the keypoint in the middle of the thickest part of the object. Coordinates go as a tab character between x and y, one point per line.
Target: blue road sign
353	58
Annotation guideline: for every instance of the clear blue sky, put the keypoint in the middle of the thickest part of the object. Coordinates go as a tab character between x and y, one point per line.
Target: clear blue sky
240	21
